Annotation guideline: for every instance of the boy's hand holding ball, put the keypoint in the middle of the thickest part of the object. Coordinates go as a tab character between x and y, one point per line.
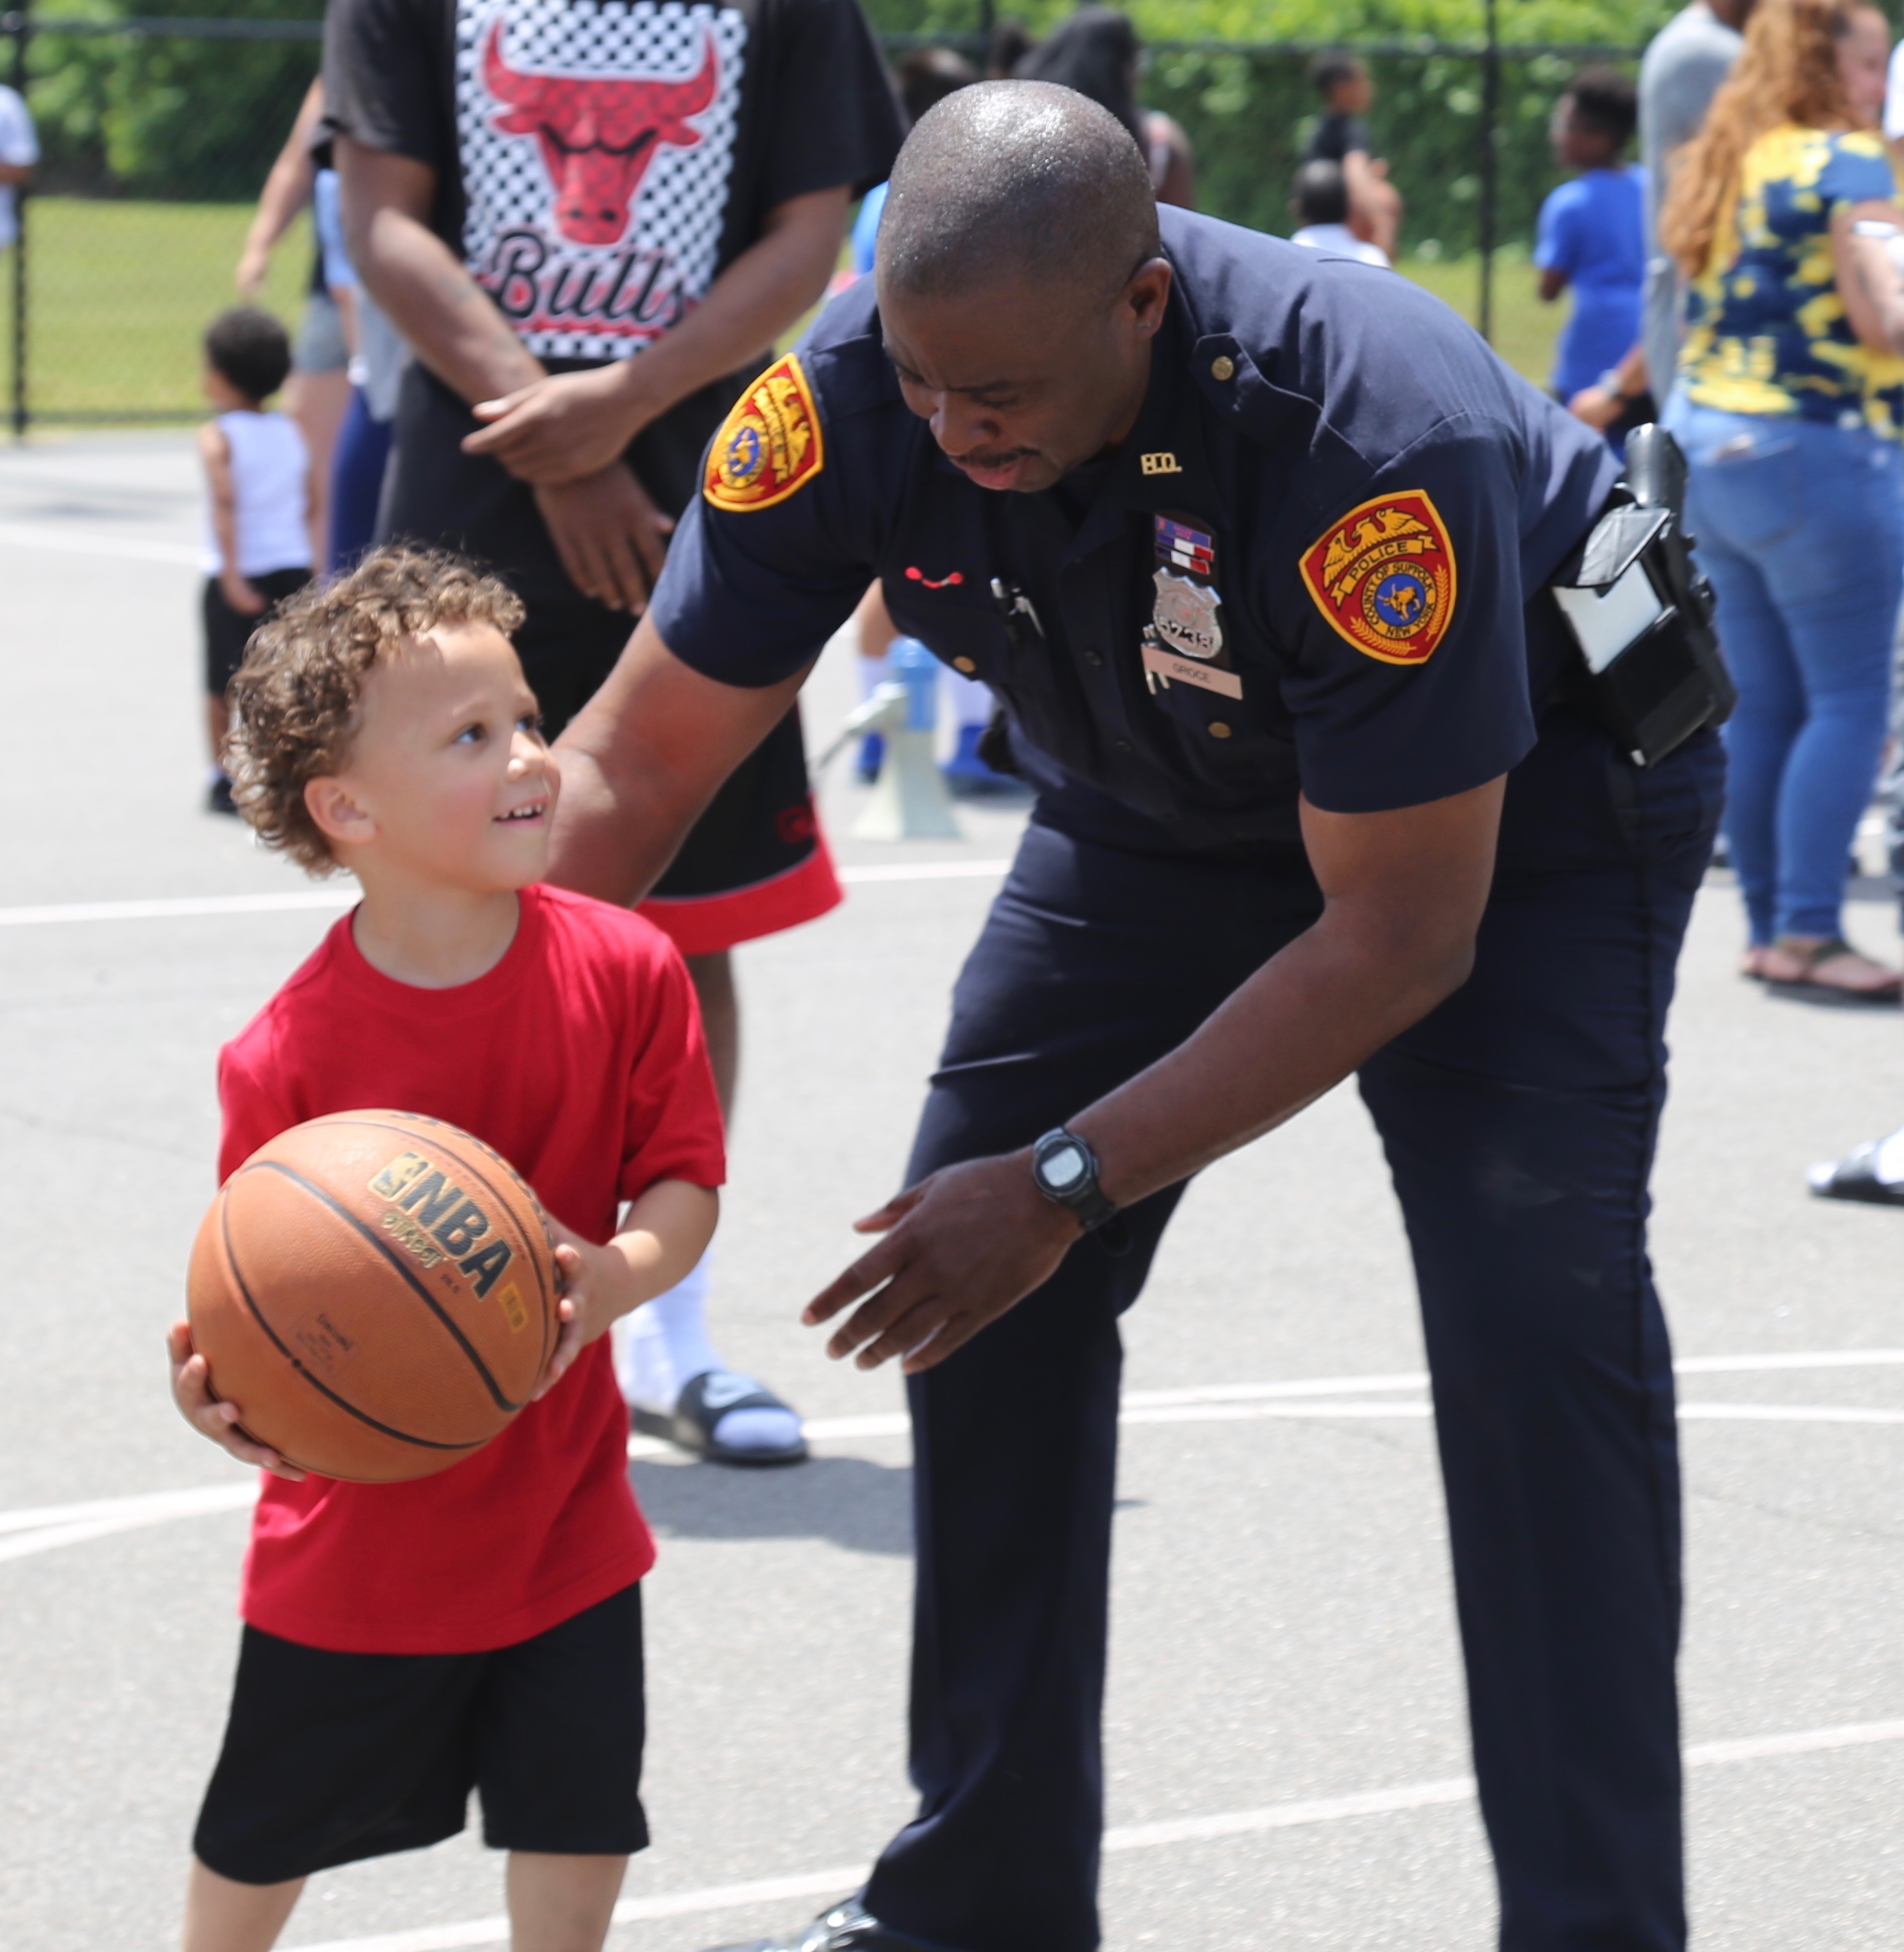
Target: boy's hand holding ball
598	1287
210	1416
664	1233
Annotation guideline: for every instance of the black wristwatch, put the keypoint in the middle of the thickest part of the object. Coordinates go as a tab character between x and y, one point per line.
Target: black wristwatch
1063	1168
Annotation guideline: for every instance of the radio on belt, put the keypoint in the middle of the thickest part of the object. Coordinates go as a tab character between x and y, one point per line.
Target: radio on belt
1641	614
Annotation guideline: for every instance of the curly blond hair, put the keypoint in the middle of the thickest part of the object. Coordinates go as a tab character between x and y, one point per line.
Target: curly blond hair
1788	72
294	702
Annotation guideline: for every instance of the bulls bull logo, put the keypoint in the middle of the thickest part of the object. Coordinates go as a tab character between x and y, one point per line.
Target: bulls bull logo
598	137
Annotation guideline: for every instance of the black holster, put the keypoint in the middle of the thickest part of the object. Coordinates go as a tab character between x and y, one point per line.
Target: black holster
1641	614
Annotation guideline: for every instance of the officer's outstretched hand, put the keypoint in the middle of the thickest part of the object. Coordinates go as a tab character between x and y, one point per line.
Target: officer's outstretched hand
960	1248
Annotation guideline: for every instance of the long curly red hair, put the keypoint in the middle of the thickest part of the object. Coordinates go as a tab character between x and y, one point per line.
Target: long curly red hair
1788	72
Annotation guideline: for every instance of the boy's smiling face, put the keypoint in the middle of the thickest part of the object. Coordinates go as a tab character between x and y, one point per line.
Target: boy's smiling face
449	781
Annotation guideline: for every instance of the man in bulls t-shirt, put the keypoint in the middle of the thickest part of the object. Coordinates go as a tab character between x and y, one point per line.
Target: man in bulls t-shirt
591	220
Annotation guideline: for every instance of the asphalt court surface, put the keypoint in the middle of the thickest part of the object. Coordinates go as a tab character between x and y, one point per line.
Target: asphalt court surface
1285	1741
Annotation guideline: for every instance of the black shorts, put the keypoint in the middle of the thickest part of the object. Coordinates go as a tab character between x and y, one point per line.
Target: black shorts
331	1757
226	633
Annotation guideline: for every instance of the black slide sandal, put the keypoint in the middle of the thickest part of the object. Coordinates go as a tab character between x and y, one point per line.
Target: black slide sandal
705	1399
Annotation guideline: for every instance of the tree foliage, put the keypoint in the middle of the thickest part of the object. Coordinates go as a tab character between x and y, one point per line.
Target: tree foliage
165	116
1617	23
1248	108
180	117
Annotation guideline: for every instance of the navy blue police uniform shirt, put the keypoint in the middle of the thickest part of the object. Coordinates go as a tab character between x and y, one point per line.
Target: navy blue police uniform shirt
1311	568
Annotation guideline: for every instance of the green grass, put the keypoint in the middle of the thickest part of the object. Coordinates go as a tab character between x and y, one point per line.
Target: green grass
121	292
1524	329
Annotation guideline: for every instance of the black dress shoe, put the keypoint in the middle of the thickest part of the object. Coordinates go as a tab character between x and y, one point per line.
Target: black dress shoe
848	1927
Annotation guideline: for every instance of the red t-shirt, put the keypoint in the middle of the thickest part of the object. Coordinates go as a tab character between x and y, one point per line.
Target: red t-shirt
578	1057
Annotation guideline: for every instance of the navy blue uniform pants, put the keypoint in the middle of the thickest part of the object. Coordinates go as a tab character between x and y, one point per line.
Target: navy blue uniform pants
1519	1121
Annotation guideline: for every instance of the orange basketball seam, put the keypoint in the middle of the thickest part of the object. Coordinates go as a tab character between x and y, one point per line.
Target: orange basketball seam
428	1300
378	1125
349	1408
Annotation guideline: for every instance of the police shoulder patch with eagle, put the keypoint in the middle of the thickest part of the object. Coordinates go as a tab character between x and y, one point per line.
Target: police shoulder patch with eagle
1384	577
770	445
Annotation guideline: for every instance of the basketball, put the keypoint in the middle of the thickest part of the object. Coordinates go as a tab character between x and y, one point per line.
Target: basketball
377	1292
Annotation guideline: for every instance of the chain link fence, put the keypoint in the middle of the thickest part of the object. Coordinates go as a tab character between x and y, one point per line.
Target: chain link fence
158	131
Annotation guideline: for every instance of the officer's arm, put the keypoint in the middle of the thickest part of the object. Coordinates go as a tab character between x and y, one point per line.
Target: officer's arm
642	760
1403	895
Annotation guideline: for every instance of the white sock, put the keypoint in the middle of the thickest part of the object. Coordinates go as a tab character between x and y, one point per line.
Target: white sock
666	1346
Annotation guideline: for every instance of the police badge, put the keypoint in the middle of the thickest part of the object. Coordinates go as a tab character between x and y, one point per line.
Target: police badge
1182	643
1185	615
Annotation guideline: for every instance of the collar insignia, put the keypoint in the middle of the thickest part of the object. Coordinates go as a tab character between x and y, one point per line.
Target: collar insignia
1160	464
1384	577
770	445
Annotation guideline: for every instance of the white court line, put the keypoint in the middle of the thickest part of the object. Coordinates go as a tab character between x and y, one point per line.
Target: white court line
181	907
862	873
147	1506
1738	1412
64	542
45	1528
1797	1359
32	1534
174	907
1129	1837
896	1423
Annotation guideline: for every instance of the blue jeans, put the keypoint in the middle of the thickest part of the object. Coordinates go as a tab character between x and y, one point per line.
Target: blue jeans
357	472
1800	526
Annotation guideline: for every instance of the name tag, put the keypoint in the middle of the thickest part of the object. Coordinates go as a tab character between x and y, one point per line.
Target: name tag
1160	663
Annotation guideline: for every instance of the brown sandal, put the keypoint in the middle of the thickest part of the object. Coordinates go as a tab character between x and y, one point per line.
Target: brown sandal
1793	963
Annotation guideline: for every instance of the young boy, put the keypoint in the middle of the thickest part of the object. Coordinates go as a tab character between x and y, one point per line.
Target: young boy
1319	202
1591	233
405	1643
261	504
1341	136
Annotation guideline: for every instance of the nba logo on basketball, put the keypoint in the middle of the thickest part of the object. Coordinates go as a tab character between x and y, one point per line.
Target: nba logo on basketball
447	1215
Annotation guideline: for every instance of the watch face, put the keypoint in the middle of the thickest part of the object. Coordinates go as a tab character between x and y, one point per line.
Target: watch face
1062	1168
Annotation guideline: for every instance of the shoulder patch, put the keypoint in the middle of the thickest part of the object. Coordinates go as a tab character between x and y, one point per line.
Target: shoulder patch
1384	577
770	445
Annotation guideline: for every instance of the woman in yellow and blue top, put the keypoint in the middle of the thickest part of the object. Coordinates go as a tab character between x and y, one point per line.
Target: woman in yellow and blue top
1789	405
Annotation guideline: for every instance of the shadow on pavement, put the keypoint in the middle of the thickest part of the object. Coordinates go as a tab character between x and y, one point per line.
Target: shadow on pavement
847	1501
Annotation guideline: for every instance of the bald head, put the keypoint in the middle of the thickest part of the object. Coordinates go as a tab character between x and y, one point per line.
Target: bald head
1017	182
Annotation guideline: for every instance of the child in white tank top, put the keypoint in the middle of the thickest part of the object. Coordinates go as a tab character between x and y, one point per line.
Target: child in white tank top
261	506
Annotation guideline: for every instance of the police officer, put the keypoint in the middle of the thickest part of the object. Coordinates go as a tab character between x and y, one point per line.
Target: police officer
1252	542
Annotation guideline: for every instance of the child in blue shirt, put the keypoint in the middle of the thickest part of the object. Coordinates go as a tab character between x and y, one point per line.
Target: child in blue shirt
1591	234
